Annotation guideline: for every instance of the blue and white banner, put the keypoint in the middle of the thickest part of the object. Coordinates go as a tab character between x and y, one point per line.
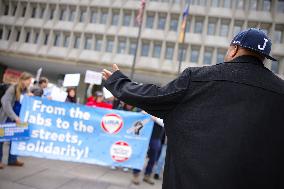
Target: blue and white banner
13	131
78	133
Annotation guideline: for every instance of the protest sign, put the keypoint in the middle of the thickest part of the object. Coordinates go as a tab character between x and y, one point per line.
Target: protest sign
92	77
71	80
58	94
71	132
13	131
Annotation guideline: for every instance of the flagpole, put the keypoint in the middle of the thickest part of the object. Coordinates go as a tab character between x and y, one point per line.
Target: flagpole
181	56
135	53
137	43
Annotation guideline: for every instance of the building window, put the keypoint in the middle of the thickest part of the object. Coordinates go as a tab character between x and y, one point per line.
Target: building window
109	44
240	4
98	43
14	10
157	50
71	16
83	15
41	11
121	46
66	41
220	55
161	21
8	34
266	5
150	20
280	6
51	13
174	23
77	42
36	36
198	27
253	5
207	56
188	22
88	43
63	13
224	28
126	18
56	42
211	27
6	10
45	42
194	54
28	35
277	36
18	35
115	18
275	67
1	33
103	18
132	47
169	51
238	27
94	15
227	3
181	53
215	3
33	12
145	49
24	9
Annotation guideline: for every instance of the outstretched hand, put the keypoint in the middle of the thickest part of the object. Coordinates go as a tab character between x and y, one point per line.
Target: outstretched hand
106	73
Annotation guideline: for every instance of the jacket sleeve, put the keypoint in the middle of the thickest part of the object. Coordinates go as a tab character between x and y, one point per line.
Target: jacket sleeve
7	101
158	101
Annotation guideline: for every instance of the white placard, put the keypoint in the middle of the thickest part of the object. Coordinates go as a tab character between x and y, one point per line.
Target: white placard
107	93
71	80
58	94
93	77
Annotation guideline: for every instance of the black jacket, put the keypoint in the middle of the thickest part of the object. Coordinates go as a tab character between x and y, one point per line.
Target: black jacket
225	124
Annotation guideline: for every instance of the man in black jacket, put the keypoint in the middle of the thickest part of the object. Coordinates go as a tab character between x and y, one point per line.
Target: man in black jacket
224	122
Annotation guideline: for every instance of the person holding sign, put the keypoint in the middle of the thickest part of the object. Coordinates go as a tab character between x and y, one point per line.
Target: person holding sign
11	105
224	122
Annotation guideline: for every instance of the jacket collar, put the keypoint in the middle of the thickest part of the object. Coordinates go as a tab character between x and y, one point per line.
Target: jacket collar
247	59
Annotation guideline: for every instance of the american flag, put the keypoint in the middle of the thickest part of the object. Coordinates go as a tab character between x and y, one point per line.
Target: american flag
139	17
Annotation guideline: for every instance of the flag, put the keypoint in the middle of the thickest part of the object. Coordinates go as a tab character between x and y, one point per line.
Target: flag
139	17
183	24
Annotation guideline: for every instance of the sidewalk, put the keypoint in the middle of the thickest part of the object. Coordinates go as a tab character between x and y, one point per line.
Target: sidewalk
49	174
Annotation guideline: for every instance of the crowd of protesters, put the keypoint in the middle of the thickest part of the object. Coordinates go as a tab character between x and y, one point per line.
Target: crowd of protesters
11	105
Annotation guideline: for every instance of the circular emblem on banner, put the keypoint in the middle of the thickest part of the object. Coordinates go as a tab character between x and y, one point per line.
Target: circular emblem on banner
120	151
112	123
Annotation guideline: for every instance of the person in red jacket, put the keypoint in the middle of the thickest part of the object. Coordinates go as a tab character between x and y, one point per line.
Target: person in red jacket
98	101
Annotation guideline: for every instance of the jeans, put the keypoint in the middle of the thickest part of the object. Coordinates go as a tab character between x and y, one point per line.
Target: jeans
11	158
153	152
161	160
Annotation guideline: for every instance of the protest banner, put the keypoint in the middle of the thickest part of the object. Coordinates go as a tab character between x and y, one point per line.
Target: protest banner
71	132
13	131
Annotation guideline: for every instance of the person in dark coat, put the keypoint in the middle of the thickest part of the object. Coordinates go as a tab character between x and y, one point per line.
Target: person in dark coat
224	122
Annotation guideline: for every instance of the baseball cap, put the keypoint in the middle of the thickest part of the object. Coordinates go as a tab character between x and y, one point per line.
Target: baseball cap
256	40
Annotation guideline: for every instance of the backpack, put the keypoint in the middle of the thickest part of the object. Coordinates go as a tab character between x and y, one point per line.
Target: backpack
3	89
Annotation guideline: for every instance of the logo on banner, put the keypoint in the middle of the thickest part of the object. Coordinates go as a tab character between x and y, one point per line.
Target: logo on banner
112	123
120	151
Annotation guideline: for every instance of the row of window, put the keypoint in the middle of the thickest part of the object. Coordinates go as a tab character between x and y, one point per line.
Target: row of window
121	45
256	5
159	21
110	44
